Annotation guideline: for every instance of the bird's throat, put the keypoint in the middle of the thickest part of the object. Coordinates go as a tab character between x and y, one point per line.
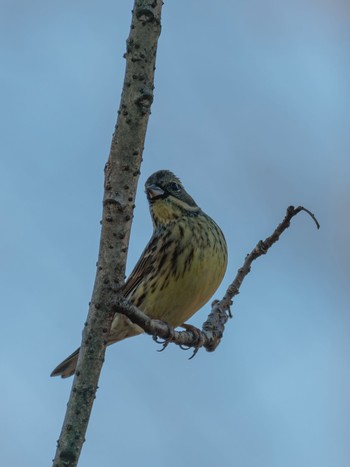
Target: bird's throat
167	210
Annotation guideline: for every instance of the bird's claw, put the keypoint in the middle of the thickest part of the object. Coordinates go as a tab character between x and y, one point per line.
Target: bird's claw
199	339
165	342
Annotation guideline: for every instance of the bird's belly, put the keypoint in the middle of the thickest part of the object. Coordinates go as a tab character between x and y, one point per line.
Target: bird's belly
185	293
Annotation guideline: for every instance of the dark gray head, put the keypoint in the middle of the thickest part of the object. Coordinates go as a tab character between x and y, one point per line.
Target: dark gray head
167	197
163	184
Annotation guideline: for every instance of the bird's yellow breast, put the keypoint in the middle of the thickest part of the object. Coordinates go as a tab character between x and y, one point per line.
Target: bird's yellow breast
185	273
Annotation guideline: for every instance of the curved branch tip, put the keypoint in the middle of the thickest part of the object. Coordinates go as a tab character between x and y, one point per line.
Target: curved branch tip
313	217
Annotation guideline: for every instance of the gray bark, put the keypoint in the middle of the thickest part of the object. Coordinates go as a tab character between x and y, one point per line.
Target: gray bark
121	177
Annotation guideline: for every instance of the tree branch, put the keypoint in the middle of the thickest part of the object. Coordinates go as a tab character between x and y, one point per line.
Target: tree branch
214	326
121	176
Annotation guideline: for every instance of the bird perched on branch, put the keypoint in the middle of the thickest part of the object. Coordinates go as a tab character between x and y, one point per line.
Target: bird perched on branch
180	269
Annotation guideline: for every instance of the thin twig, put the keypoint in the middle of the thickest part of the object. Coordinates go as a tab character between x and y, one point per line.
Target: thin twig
261	249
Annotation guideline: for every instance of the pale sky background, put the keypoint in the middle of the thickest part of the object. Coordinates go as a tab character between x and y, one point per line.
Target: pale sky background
252	112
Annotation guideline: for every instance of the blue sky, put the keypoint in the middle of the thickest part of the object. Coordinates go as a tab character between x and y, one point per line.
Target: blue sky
251	111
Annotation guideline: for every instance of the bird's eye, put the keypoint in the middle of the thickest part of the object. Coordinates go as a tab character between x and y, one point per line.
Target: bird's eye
175	187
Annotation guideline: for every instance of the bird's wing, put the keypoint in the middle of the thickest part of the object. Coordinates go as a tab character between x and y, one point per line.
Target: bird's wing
143	267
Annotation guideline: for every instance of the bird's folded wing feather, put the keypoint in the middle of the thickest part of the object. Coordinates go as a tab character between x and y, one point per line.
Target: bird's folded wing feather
143	267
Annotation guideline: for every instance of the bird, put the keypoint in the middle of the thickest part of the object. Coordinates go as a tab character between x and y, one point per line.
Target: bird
180	268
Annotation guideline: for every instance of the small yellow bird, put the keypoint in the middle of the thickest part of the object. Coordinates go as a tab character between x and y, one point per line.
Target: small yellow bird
180	269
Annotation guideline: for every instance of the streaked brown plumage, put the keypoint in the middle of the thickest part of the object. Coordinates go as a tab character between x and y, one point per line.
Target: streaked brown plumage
179	270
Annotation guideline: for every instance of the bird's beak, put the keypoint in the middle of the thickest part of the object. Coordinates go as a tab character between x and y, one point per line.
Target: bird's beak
154	192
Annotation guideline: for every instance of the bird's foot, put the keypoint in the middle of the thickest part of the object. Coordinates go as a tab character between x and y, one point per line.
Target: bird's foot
165	342
198	336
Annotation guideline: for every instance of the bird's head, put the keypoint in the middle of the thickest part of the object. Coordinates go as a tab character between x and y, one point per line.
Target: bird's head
167	198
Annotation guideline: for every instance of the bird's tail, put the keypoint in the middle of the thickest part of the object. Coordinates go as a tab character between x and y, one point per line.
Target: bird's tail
122	328
67	367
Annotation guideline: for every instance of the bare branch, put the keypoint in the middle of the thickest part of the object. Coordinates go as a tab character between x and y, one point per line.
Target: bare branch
121	176
261	249
214	326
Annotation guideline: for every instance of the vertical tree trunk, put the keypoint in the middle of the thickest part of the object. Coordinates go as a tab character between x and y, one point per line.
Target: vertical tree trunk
121	176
